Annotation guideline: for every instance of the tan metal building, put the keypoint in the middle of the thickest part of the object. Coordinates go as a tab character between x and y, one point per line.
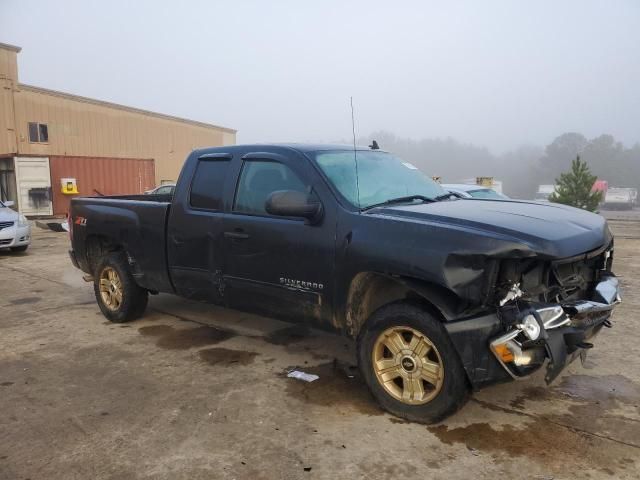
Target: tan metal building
51	142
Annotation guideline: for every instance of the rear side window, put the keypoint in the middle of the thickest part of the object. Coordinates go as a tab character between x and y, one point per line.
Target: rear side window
258	180
208	182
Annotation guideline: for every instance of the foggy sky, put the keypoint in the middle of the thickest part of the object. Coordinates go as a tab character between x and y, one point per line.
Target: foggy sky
497	74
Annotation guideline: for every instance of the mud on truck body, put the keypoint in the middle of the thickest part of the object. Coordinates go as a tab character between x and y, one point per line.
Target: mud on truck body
443	295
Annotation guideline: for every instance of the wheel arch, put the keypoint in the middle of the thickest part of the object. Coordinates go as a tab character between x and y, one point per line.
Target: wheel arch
97	246
370	291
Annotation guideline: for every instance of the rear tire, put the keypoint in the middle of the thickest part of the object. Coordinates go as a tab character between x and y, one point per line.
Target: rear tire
119	297
21	248
410	365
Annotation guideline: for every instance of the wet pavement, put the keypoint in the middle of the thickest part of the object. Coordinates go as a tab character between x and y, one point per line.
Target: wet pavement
194	391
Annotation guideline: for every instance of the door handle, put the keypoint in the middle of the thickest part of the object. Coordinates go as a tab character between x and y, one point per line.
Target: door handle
177	240
236	235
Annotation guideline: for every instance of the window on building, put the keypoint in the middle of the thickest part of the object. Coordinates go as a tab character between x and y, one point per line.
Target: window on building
43	129
258	180
33	132
38	132
208	184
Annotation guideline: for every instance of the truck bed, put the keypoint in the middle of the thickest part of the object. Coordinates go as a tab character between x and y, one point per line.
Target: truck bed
136	222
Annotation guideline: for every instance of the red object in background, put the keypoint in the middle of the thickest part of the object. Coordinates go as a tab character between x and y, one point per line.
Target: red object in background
600	186
109	176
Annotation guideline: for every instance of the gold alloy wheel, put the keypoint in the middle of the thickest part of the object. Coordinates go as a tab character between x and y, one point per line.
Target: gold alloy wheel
407	365
111	288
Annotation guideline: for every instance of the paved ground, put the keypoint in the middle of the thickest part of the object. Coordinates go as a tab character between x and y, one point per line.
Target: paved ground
626	223
173	396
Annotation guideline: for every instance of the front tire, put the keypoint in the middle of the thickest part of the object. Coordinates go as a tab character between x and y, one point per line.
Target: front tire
119	297
410	365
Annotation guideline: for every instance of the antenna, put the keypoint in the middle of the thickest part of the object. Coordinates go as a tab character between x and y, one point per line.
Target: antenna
355	155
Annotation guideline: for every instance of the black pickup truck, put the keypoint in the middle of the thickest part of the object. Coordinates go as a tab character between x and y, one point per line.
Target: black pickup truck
444	295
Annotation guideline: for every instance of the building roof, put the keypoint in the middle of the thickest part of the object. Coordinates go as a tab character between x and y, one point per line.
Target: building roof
118	106
7	46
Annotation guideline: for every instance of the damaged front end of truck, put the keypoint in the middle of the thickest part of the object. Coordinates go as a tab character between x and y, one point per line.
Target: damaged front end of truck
551	310
546	311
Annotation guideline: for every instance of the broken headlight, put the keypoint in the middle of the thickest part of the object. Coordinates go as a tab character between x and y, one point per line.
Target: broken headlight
530	327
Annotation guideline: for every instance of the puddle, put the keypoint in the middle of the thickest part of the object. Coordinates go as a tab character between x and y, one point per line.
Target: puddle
539	439
153	330
334	389
226	357
289	335
558	448
183	339
606	390
596	432
529	393
607	404
25	300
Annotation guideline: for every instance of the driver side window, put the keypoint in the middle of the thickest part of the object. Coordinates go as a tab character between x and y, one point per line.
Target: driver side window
258	180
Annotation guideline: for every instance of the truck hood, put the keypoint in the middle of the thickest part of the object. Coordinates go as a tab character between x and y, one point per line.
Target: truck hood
548	229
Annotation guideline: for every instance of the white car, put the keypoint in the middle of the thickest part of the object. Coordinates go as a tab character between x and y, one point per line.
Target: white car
473	191
15	230
166	189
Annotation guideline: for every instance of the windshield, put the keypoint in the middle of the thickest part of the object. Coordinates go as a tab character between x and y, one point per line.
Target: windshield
486	193
381	177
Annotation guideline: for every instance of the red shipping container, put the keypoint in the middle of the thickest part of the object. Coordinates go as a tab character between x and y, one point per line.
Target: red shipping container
99	175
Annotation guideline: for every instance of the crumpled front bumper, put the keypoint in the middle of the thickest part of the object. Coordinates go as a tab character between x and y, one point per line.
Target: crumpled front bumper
566	331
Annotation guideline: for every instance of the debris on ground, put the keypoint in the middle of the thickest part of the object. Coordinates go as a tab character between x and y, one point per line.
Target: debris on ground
306	377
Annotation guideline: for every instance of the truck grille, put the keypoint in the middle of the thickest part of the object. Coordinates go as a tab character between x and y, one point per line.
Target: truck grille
556	281
6	225
574	280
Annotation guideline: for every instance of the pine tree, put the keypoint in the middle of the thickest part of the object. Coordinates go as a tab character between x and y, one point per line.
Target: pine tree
574	187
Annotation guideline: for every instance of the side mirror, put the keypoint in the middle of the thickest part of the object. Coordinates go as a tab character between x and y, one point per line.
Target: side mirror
290	203
9	203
